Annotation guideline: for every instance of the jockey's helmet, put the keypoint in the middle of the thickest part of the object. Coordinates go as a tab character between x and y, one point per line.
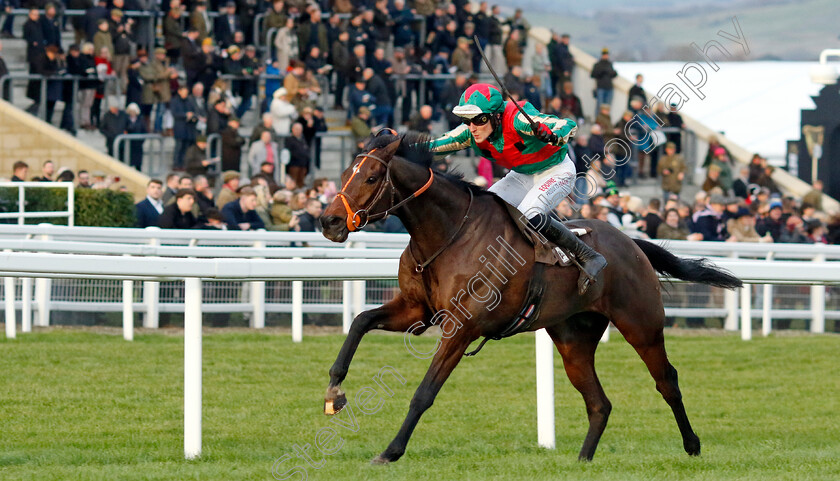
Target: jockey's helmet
479	99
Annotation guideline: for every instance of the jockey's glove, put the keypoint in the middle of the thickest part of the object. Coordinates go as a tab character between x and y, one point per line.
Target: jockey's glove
544	133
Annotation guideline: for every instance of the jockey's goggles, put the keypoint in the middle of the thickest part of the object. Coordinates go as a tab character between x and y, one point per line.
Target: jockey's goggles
480	119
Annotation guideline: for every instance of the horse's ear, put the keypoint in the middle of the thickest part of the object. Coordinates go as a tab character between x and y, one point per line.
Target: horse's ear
391	149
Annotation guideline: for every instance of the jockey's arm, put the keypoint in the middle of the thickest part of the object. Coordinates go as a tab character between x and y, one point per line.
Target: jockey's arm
565	129
452	141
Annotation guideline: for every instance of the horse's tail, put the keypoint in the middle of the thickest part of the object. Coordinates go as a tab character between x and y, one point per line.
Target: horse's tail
694	270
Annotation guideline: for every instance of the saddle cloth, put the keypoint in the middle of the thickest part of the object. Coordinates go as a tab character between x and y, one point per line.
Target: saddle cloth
545	251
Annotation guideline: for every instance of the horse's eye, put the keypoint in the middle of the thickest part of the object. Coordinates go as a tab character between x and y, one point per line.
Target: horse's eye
371	180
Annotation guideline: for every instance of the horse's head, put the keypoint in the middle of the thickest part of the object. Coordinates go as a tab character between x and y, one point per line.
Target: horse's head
363	187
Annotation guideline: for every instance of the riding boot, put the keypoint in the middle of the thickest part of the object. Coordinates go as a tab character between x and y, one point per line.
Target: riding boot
592	262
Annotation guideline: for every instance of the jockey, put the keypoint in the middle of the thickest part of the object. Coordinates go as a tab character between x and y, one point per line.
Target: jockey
541	174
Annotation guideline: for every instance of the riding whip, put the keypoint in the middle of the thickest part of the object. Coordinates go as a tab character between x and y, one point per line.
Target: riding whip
505	91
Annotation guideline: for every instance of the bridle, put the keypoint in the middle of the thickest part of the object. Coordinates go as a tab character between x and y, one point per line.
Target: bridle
360	218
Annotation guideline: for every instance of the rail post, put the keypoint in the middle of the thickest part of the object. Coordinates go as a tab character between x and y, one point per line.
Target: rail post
297	310
192	368
43	291
746	315
730	303
545	389
346	294
9	294
818	303
258	297
128	309
766	305
151	295
26	305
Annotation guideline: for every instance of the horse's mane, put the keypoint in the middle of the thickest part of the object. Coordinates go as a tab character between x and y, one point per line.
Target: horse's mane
415	149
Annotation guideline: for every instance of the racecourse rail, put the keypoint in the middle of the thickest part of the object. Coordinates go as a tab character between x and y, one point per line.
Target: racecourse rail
152	255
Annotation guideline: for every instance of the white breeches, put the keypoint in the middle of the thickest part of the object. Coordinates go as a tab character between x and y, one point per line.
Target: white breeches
538	193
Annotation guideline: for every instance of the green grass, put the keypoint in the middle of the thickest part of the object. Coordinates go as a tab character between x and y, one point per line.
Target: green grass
80	405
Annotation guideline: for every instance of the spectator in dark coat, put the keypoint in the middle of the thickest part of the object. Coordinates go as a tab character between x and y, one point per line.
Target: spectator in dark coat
343	64
51	27
135	125
92	17
773	223
313	33
313	121
708	221
358	96
309	220
46	64
178	215
20	171
149	209
232	144
134	87
422	121
384	111
192	56
561	60
450	96
211	63
571	101
596	139
183	127
204	197
603	73
740	186
300	155
241	214
8	23
173	35
226	25
4	70
114	123
217	118
196	157
637	91
33	34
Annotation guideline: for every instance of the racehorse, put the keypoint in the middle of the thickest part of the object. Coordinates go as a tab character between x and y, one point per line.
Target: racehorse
455	227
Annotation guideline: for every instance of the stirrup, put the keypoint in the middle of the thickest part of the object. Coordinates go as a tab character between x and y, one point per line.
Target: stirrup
584	281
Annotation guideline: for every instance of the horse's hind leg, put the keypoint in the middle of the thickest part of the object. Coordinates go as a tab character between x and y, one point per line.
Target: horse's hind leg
576	340
649	343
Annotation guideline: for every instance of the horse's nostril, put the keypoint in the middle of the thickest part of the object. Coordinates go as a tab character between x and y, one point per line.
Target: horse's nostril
330	221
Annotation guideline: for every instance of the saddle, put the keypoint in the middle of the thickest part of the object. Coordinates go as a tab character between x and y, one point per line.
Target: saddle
545	253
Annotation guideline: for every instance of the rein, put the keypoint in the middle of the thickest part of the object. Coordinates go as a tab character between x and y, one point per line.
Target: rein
360	218
421	266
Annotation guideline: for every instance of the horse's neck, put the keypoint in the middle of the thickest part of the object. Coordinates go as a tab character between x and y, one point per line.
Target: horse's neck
435	215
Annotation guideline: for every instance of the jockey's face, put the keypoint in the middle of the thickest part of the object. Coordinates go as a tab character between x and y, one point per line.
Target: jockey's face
481	132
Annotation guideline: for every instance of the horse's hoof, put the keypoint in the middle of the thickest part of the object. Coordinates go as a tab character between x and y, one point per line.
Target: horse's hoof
379	461
334	406
692	446
334	400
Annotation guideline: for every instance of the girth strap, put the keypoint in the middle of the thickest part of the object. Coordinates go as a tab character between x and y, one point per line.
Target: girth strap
528	313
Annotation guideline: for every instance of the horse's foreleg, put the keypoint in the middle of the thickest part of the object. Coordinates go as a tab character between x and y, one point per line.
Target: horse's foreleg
397	315
447	357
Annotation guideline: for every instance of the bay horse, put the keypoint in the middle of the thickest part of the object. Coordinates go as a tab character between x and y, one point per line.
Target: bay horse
455	227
